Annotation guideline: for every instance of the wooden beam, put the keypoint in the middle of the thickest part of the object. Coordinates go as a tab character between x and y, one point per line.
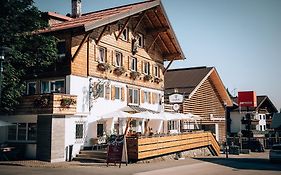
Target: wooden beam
153	42
172	56
138	23
86	36
99	38
123	28
168	66
157	30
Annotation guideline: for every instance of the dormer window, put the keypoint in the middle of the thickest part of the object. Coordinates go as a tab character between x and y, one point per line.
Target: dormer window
125	34
102	55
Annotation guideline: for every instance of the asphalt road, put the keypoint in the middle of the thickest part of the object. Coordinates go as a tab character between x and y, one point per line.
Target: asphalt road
256	164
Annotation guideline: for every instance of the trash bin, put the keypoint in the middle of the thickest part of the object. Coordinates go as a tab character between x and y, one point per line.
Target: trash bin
70	148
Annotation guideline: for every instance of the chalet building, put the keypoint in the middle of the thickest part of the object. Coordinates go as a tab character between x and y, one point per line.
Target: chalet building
204	95
260	117
108	60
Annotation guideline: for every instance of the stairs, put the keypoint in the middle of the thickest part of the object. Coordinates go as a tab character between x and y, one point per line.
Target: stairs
96	156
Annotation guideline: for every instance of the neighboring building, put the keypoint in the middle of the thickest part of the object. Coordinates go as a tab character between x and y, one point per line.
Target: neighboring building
204	95
109	59
260	117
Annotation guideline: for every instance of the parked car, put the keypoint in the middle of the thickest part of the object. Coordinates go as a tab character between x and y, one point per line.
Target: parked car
254	146
275	153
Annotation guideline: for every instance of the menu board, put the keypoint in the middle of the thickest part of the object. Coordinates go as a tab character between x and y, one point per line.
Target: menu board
115	150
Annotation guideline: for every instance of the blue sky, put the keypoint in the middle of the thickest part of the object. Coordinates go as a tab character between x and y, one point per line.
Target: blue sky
241	38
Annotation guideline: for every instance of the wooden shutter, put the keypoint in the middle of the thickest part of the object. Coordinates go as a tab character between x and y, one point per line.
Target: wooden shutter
153	98
122	93
142	96
107	92
96	53
149	97
112	58
112	92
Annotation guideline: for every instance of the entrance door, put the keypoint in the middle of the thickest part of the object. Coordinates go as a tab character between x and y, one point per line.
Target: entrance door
99	129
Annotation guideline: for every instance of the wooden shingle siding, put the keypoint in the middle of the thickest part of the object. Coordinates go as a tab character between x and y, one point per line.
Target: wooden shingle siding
85	63
204	102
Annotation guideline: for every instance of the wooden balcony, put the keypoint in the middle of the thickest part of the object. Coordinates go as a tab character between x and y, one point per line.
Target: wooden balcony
141	148
47	104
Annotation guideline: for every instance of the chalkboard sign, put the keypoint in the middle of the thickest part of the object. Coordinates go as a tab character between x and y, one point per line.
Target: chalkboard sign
116	149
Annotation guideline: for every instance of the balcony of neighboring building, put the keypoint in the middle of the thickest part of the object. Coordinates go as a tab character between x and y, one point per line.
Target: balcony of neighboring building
47	96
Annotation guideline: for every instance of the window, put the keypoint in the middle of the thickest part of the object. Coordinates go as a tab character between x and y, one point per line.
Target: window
118	59
61	46
52	86
133	96
172	125
31	88
134	64
260	127
140	40
156	71
100	89
102	55
118	93
264	127
146	68
22	132
79	131
99	129
146	97
125	34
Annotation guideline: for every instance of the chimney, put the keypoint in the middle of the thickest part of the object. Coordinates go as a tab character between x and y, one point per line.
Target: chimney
76	8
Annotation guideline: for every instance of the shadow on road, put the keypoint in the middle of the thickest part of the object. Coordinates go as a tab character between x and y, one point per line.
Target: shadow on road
244	163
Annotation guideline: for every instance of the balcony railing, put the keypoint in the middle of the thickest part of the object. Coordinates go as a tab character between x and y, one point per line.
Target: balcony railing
47	104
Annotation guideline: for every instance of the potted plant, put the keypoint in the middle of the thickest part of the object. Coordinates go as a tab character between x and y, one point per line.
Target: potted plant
157	79
119	70
66	102
147	77
41	101
103	66
134	74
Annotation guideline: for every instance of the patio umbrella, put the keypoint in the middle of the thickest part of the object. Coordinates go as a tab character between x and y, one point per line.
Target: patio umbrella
115	115
146	115
3	123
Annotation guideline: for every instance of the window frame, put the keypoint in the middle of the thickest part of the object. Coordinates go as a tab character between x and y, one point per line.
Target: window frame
156	71
172	125
62	54
140	40
103	91
27	87
133	101
146	68
145	97
117	89
79	136
116	58
102	58
125	34
134	64
50	88
25	131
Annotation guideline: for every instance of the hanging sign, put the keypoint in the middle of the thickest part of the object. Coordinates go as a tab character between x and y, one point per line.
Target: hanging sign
176	98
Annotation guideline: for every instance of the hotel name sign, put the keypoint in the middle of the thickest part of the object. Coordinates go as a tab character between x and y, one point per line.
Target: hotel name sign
176	98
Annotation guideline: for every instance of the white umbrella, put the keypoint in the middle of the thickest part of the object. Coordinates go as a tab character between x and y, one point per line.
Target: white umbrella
115	114
146	115
3	123
169	116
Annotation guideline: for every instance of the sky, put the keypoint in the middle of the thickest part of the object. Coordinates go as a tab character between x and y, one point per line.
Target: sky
240	38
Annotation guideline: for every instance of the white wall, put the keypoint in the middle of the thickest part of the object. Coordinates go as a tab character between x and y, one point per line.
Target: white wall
236	125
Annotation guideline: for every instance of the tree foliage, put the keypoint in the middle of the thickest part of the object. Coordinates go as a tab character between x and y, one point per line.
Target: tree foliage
29	52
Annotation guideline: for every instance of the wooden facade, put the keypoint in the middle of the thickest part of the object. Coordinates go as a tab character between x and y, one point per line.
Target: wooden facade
141	148
204	96
57	104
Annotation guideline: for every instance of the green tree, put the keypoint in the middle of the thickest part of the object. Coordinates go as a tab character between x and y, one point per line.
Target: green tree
30	52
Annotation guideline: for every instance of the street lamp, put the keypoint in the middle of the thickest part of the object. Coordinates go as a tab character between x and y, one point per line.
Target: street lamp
3	50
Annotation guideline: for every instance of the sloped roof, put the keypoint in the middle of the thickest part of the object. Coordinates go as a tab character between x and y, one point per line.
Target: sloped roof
188	80
90	21
263	102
